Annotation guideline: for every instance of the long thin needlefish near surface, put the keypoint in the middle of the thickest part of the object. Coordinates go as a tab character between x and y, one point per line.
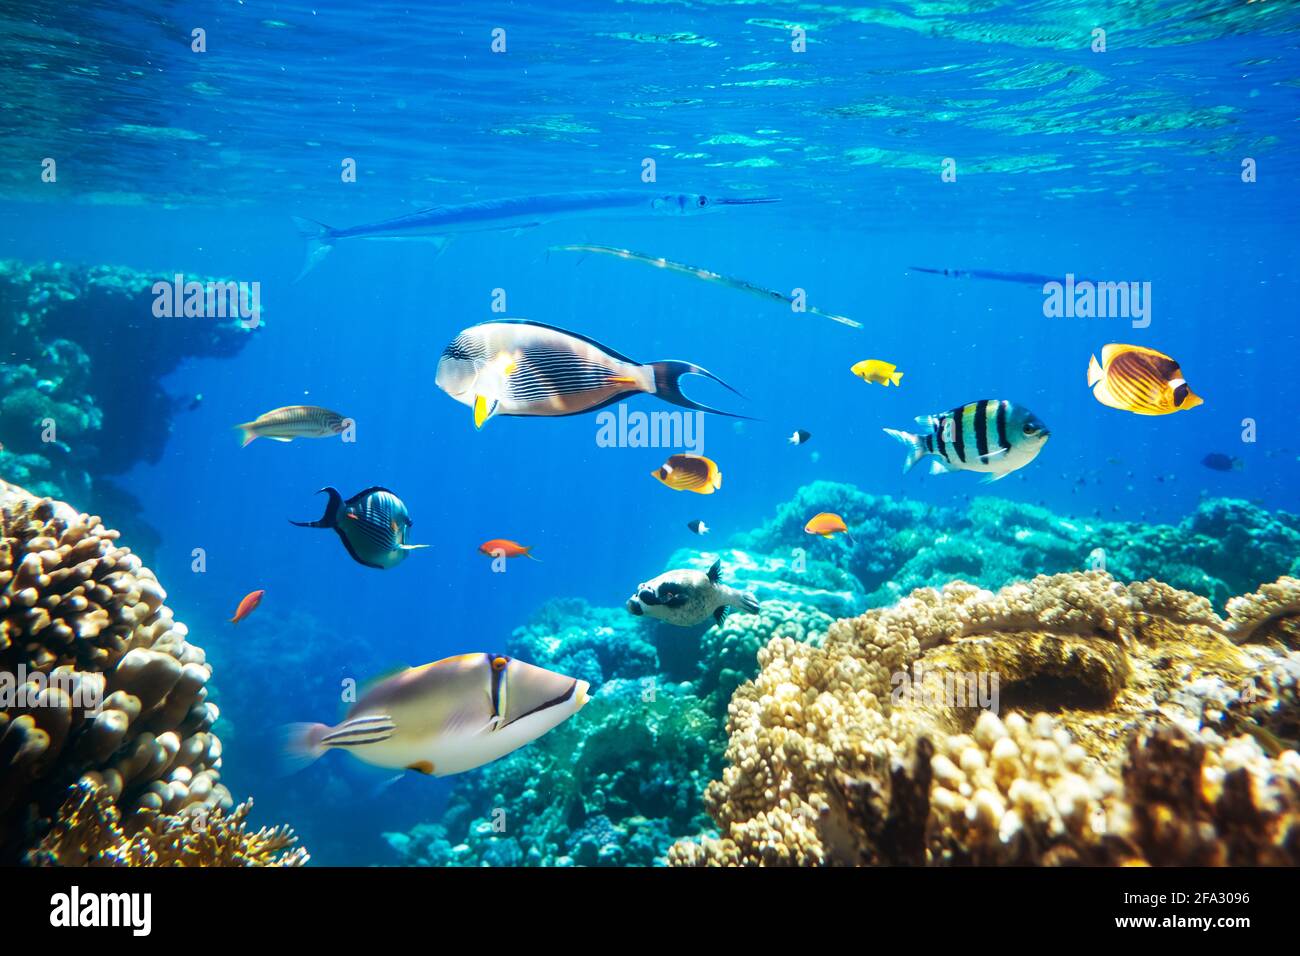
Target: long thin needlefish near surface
1026	278
705	275
438	224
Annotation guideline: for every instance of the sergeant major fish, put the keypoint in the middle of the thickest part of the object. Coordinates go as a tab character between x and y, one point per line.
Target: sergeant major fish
439	223
688	597
372	525
293	421
552	372
446	717
994	437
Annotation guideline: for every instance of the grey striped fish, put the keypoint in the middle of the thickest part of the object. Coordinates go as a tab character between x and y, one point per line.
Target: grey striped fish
516	367
446	717
293	421
990	436
372	525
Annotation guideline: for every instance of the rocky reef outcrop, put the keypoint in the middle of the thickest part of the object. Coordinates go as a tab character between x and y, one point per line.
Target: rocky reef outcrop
107	755
1140	728
82	359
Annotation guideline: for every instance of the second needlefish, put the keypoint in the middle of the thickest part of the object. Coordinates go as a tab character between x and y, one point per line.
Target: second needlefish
372	525
989	436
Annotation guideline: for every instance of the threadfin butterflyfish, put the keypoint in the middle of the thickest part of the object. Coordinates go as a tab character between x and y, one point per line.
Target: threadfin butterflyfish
1139	380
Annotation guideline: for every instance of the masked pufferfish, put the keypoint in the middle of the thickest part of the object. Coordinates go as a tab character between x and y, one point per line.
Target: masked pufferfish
686	597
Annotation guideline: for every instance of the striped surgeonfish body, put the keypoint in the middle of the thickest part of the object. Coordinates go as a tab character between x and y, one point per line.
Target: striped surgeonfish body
447	717
372	525
516	367
1139	380
994	437
293	421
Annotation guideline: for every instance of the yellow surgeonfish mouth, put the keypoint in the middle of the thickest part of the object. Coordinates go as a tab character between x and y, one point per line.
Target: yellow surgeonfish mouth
706	275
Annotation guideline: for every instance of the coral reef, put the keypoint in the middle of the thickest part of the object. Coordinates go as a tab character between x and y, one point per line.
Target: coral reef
103	691
88	832
84	358
1124	743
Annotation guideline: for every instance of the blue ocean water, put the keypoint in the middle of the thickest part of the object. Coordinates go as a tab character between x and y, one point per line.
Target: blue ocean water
1123	165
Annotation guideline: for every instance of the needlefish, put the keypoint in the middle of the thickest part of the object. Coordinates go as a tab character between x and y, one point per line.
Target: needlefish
1027	278
438	224
706	275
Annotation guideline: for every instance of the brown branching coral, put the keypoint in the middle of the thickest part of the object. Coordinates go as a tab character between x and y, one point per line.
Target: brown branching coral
100	683
88	832
837	752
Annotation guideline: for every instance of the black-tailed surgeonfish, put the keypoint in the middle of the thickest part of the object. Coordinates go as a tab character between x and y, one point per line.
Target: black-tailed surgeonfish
1139	380
372	525
446	717
539	370
994	437
293	421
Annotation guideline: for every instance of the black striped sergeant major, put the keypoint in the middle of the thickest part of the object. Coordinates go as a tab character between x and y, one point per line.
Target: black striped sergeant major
372	525
989	436
516	367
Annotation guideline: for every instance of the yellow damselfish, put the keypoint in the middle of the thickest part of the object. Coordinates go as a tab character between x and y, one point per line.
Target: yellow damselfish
874	370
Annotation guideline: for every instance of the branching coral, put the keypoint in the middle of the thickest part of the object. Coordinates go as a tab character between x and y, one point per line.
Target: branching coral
833	758
88	832
104	689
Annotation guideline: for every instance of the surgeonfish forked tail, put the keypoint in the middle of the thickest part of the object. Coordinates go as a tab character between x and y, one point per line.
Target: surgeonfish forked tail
668	376
330	518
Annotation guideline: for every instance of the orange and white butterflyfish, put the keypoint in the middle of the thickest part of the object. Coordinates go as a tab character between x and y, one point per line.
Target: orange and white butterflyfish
446	717
690	473
1139	380
827	524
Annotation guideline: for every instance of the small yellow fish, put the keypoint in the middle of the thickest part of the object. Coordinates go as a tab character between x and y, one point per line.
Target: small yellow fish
874	370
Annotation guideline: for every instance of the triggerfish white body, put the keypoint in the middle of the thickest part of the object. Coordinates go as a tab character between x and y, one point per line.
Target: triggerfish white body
994	437
539	370
446	717
372	525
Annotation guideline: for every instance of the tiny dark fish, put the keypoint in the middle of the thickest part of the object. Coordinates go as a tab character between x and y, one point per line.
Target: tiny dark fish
698	527
799	437
1218	461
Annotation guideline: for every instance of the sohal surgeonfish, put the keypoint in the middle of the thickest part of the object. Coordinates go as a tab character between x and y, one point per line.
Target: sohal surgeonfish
372	525
550	372
293	421
994	437
1139	380
446	717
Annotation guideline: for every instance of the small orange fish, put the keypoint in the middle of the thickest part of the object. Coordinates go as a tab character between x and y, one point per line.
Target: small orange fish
504	547
690	473
827	524
247	606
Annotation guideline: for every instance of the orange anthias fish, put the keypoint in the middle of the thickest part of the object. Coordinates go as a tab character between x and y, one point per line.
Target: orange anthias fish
690	473
1139	380
827	524
247	606
504	547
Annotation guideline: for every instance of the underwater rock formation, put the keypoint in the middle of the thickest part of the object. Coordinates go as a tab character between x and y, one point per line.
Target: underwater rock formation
83	359
1125	744
105	731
